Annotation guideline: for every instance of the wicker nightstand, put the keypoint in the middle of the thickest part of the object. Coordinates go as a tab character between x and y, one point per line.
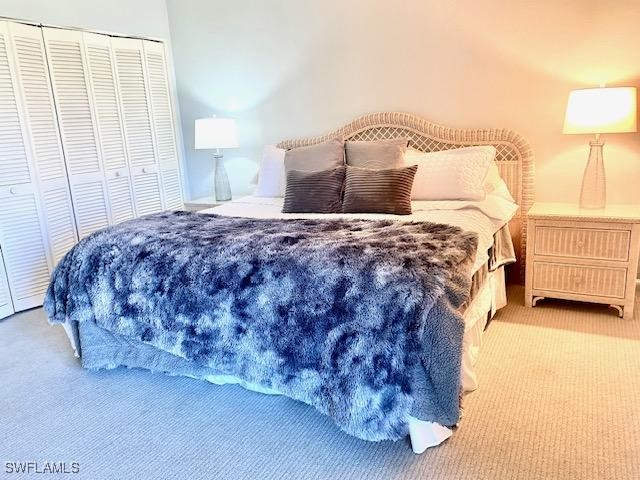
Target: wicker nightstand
586	255
202	204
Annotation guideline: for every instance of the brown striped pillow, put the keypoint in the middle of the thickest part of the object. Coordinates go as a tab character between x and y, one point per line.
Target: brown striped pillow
314	192
378	191
376	154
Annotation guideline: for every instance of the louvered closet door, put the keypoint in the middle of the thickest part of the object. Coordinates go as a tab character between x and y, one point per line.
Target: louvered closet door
163	124
34	100
138	129
6	305
78	129
109	119
24	238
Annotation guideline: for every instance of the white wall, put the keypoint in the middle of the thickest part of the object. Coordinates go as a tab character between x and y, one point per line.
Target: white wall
288	68
146	18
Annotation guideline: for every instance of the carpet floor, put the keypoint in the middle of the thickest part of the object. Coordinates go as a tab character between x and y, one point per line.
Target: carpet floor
559	397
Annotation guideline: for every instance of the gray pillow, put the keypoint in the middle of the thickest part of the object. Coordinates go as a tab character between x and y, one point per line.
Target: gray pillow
321	156
377	154
378	191
314	192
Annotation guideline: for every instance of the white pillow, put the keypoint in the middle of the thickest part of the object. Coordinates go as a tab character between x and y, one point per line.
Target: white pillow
271	179
495	185
457	174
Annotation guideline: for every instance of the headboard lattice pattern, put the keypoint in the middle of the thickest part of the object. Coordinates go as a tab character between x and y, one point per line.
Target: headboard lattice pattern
514	155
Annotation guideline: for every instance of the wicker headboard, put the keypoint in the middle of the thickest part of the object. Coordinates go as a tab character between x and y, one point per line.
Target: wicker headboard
514	155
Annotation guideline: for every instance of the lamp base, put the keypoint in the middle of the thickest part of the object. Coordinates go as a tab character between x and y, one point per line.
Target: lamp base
221	180
594	190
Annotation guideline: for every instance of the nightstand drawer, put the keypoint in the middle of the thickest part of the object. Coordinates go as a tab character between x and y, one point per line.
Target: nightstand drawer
580	279
589	243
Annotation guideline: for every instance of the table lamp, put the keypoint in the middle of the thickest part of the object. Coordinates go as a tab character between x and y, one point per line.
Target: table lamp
216	133
597	111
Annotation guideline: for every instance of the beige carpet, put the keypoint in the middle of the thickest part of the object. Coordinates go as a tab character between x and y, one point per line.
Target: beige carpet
559	398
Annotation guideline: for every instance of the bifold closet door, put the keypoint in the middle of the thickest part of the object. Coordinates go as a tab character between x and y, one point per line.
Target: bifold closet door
163	125
138	129
106	103
78	128
36	224
42	139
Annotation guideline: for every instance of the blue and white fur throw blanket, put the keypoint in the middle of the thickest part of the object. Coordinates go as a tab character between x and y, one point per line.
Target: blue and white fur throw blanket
355	317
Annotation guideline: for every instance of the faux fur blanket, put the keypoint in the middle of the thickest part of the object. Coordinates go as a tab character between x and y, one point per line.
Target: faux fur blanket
355	317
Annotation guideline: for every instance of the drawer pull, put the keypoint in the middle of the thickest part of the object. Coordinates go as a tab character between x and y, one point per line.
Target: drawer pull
13	190
117	174
580	243
144	170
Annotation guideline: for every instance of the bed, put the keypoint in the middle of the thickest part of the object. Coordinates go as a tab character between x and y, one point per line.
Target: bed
482	279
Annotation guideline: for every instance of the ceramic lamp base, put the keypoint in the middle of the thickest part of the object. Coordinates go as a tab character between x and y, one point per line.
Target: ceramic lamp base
594	191
221	180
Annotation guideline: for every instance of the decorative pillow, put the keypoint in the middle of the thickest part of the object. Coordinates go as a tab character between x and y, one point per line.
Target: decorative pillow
457	174
271	174
322	156
376	154
314	192
378	191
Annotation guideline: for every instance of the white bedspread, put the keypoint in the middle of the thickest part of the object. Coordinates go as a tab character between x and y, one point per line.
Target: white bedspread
485	217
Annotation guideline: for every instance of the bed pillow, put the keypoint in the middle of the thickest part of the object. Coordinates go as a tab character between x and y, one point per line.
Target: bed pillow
271	174
377	154
378	191
314	192
457	174
495	185
321	156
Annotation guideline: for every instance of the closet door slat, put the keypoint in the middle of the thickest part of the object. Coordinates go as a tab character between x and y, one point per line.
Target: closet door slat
163	124
80	137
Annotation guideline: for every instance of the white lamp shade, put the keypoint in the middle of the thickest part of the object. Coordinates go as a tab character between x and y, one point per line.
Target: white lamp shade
601	110
215	133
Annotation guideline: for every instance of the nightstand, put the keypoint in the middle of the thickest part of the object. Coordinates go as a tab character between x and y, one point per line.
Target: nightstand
202	204
585	255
